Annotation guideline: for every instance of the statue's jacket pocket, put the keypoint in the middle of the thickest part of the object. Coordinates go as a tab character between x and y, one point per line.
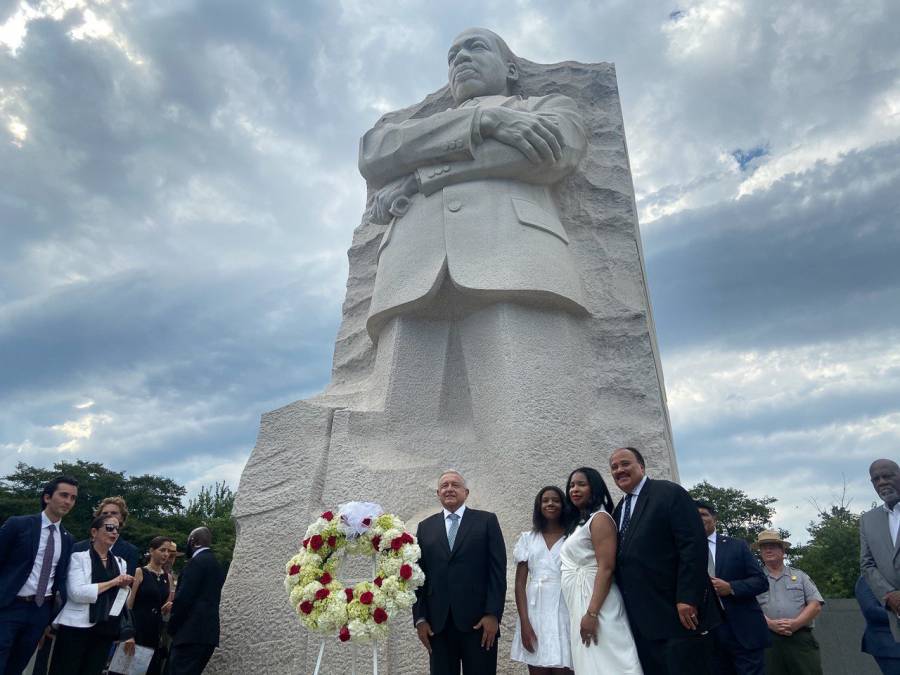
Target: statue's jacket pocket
532	215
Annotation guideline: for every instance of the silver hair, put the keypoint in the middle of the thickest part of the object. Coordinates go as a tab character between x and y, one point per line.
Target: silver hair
453	471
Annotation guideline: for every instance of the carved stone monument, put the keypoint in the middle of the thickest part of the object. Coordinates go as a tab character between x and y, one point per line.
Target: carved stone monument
496	321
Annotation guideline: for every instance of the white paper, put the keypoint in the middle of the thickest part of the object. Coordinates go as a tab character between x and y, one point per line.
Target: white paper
119	602
131	665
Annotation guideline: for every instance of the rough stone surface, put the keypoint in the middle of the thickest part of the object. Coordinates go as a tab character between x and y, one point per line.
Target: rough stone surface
341	445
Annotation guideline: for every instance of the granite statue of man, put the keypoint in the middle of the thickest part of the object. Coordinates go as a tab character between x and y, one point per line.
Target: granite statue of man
475	253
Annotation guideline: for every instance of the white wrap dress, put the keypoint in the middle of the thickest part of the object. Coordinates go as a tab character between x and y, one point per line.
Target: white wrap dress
615	651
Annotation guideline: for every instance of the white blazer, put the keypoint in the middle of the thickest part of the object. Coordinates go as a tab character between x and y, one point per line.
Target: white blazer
82	593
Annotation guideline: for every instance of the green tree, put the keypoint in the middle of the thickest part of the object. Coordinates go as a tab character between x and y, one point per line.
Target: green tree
155	505
831	556
740	515
212	507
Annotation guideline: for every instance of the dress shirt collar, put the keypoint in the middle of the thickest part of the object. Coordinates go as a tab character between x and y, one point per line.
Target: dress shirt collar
199	550
895	510
45	521
460	511
712	539
639	487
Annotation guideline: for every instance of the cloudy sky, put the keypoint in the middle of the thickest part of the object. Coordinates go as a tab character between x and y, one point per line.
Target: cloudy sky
178	189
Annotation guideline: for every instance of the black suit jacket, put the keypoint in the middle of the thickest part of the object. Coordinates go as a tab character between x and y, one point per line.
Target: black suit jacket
662	560
20	537
470	581
736	565
195	610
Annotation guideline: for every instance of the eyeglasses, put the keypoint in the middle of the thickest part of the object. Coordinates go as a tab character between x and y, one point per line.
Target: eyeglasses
110	528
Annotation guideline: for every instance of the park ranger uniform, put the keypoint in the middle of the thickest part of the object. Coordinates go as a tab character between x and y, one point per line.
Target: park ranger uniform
789	593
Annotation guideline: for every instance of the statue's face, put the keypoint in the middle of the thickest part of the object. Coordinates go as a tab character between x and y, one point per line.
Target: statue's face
476	67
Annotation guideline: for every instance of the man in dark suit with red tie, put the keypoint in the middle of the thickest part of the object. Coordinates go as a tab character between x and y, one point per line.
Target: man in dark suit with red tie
458	609
661	570
742	638
34	561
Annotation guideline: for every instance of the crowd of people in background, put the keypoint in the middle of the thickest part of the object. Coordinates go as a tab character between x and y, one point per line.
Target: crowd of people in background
644	586
65	606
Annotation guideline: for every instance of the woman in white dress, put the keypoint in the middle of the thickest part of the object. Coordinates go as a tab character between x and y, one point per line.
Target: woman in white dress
542	631
600	635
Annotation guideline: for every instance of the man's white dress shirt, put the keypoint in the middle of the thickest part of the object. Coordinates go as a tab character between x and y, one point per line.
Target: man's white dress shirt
30	587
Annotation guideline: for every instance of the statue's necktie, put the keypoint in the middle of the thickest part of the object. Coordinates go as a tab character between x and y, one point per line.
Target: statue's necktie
454	528
626	516
46	566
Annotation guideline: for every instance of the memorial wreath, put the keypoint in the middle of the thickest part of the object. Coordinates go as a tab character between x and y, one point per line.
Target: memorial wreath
361	613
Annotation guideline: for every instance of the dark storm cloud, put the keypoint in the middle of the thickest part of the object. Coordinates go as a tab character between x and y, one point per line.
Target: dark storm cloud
815	255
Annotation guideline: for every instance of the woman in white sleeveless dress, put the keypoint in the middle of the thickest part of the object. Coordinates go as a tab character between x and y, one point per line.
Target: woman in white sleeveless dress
542	632
599	632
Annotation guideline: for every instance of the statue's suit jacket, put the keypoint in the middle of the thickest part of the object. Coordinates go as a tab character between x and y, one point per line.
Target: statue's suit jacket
483	212
878	558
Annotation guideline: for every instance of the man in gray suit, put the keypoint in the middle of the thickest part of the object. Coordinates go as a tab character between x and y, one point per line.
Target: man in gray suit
475	282
879	541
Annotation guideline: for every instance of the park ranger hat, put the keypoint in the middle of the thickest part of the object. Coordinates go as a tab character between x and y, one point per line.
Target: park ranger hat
771	537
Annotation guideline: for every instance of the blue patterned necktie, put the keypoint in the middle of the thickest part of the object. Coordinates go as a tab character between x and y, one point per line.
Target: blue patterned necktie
454	527
46	565
626	517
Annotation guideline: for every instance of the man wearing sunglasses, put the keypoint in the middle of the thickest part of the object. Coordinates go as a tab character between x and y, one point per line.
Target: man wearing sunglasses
116	508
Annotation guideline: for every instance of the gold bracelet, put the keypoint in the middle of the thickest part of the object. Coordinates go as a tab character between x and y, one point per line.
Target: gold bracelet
593	615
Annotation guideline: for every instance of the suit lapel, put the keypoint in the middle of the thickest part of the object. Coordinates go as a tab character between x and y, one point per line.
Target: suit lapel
720	549
35	536
639	508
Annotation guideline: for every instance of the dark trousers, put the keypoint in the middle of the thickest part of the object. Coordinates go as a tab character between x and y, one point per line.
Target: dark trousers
79	651
452	647
21	626
676	656
731	658
796	654
189	659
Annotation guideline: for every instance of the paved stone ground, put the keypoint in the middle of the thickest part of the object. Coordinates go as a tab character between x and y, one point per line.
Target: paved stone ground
839	631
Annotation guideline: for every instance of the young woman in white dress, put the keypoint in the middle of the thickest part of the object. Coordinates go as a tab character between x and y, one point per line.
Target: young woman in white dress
600	635
542	631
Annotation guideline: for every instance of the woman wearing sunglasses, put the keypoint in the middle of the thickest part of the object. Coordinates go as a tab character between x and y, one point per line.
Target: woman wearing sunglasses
92	618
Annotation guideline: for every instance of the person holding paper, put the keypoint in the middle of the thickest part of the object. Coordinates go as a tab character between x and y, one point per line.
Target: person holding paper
98	585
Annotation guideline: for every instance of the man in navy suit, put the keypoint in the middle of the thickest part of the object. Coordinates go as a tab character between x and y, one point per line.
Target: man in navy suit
877	639
34	561
741	640
458	610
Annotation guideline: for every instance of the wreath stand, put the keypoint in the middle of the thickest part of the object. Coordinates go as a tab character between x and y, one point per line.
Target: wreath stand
353	662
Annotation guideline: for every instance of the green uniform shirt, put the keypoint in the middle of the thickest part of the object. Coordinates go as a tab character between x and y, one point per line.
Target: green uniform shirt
788	594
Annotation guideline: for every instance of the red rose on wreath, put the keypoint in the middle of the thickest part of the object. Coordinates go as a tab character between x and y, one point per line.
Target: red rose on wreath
379	615
349	593
306	607
378	581
328	515
295	569
367	521
344	635
322	593
376	542
405	572
315	542
305	543
407	538
332	540
396	543
325	579
366	598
